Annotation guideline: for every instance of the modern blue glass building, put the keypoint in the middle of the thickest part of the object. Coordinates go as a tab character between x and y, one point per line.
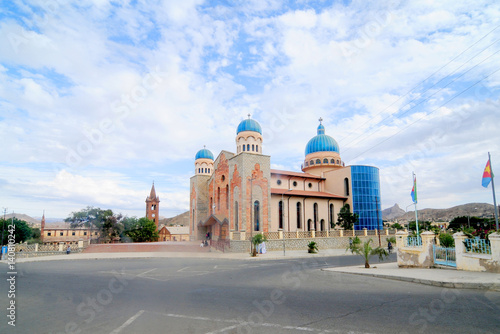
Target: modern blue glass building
366	197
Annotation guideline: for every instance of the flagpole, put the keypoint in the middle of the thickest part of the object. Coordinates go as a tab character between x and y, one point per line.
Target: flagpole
416	200
493	189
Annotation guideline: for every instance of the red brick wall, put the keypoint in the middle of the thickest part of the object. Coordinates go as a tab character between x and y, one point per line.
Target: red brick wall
259	180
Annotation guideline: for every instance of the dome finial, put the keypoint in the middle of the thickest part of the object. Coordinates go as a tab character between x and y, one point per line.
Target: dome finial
321	128
249	116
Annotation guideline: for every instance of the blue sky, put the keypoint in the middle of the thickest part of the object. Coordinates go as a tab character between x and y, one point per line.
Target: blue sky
99	99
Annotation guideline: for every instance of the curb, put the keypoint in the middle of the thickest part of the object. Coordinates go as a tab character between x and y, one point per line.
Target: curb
452	285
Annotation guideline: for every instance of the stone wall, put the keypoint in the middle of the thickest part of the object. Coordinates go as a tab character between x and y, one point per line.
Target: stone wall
240	246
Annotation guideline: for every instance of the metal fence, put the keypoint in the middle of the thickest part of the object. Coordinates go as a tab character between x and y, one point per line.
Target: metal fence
477	246
414	242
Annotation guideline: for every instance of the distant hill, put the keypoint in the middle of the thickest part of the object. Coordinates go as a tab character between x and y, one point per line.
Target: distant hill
444	215
21	216
392	212
182	220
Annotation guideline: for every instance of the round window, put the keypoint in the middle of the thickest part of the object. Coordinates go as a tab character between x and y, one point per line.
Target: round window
294	183
310	185
278	182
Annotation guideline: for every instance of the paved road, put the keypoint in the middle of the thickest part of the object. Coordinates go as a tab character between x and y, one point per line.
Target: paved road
185	295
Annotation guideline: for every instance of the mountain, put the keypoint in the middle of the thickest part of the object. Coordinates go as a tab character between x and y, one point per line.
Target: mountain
182	220
392	212
21	216
483	210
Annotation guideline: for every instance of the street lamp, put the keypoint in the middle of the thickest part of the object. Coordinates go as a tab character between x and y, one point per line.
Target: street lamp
283	218
251	211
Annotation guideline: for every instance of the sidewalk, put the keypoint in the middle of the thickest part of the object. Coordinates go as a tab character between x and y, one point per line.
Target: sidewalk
272	255
447	278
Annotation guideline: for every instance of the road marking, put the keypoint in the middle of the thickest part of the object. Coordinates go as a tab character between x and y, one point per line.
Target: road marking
128	322
147	271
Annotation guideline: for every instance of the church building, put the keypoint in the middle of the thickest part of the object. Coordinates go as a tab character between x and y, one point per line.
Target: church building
239	194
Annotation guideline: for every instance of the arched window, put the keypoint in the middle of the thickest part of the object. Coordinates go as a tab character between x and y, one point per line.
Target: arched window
227	196
256	148
309	223
253	147
322	225
236	216
325	160
209	170
248	147
280	211
299	215
318	162
346	186
256	216
211	205
332	161
307	164
331	215
243	147
311	162
315	209
206	170
218	198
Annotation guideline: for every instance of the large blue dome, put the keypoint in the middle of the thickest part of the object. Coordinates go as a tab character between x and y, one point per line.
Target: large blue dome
204	154
249	125
322	143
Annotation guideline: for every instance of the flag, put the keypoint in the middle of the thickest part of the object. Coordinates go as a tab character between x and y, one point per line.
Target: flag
487	174
414	190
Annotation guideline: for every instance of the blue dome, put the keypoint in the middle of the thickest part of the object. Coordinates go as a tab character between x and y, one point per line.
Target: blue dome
249	125
204	154
322	143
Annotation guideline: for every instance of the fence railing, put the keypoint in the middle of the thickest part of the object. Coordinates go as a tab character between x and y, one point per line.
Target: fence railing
414	242
477	246
221	245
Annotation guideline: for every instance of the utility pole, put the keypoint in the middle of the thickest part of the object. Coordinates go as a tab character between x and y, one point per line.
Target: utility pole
376	209
3	223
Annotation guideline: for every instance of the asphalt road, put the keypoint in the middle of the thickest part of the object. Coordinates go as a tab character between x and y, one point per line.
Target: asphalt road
170	295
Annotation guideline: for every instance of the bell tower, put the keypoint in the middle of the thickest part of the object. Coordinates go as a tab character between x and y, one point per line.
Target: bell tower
153	206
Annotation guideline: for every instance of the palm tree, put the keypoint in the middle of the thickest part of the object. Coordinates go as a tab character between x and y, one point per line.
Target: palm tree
366	251
257	240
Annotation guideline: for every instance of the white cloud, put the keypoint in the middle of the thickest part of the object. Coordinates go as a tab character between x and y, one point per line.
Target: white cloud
73	80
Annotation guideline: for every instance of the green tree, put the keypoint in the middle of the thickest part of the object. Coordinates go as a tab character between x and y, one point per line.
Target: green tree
143	231
111	228
367	251
397	226
22	231
257	240
446	240
422	226
346	219
461	222
89	217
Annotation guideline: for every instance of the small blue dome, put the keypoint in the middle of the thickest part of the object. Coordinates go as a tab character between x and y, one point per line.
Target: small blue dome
322	142
249	125
204	154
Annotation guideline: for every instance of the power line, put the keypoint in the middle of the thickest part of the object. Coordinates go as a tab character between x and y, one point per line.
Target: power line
421	82
423	100
406	127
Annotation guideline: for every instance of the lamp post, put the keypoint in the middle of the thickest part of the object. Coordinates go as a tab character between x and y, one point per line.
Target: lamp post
283	218
251	209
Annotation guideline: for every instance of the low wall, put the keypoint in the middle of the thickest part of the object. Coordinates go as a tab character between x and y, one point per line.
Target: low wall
241	246
37	250
422	256
478	262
